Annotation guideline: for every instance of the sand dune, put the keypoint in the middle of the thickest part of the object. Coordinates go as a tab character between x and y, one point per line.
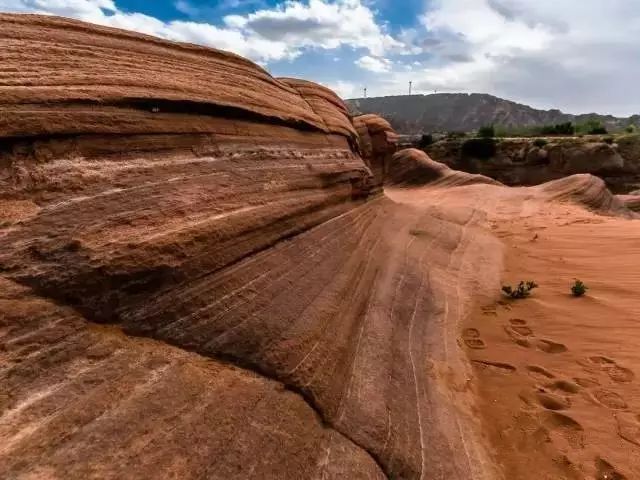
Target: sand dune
244	282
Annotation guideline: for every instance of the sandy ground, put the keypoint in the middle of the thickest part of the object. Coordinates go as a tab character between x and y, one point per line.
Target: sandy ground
557	375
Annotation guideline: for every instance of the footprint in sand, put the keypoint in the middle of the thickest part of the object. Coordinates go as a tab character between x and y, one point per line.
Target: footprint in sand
629	427
496	367
616	372
539	373
565	386
490	310
565	427
471	338
504	304
554	395
522	334
606	471
549	346
587	382
519	332
610	399
552	401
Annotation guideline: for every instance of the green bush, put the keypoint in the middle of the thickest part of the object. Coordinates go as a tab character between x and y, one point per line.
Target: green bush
425	140
578	289
487	132
631	129
510	131
454	135
540	142
481	148
566	128
523	290
592	127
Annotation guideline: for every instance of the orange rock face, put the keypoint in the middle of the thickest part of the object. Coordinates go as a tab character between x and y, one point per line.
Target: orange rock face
134	168
377	142
200	279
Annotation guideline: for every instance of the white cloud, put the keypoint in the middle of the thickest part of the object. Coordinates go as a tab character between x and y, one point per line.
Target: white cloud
319	23
283	32
374	64
577	55
344	89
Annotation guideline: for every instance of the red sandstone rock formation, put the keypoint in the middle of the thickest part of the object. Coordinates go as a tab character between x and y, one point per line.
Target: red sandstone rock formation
377	142
216	219
413	167
133	171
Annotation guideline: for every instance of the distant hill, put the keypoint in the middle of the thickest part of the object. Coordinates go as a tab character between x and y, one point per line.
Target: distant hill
447	112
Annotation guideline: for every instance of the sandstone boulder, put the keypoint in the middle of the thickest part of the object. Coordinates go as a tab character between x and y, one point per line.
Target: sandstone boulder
584	157
413	167
377	142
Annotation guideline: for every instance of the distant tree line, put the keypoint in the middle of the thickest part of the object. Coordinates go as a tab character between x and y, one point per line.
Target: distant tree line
590	127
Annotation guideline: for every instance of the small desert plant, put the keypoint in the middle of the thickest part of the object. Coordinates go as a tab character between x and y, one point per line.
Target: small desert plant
578	289
523	290
540	142
609	140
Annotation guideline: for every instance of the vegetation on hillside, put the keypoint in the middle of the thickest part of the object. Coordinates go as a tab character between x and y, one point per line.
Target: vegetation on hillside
480	148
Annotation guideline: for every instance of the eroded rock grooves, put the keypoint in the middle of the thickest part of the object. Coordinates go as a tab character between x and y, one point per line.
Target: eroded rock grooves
183	194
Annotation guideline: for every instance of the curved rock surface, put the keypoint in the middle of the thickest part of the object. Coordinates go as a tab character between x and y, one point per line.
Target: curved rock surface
413	167
291	326
377	142
66	77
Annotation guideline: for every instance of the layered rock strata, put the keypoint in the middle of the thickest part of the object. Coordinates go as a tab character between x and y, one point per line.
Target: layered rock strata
201	280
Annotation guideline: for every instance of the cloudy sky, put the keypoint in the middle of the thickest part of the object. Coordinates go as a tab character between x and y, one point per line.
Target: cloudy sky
577	55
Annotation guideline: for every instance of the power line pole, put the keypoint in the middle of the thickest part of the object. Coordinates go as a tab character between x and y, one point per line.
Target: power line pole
410	85
365	92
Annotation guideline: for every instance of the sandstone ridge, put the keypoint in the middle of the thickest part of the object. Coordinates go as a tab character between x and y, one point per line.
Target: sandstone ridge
195	262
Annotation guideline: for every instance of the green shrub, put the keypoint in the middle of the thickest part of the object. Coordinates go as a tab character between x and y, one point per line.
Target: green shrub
487	132
566	128
540	142
481	148
454	135
523	290
592	127
425	140
578	289
510	131
631	129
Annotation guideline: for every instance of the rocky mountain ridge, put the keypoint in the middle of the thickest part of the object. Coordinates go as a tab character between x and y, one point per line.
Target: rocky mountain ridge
447	112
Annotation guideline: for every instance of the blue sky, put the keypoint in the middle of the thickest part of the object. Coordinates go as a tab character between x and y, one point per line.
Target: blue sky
576	55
